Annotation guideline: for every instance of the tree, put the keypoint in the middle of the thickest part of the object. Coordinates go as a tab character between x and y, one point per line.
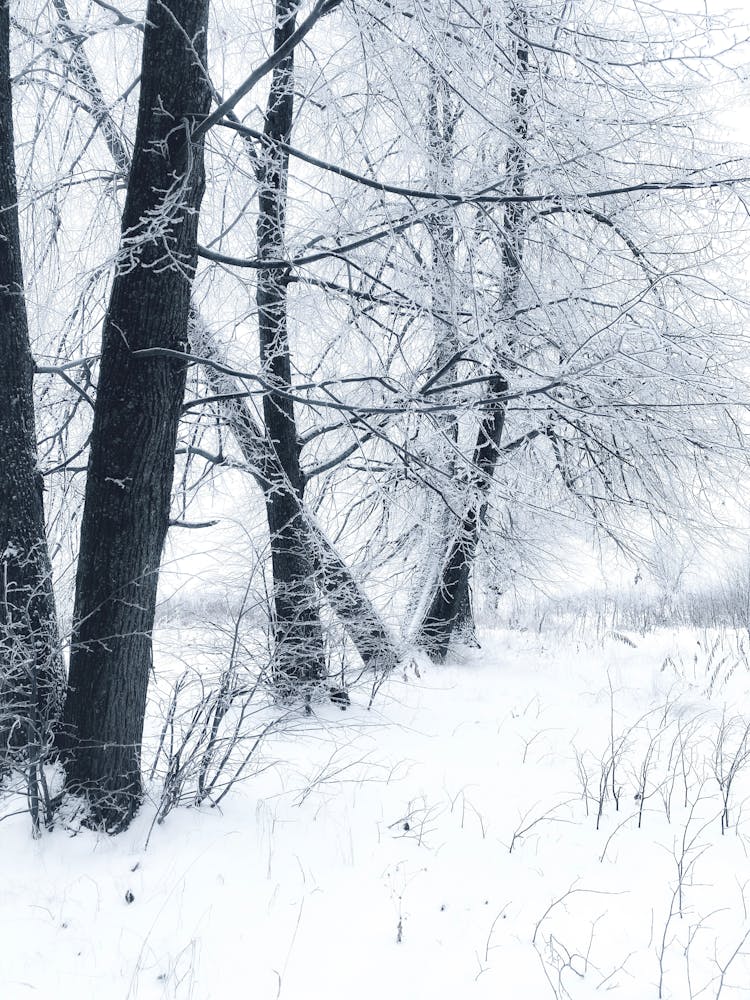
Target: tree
574	276
138	405
322	564
589	204
299	651
474	295
450	612
31	671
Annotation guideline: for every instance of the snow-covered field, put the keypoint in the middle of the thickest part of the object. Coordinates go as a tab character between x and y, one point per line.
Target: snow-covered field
544	819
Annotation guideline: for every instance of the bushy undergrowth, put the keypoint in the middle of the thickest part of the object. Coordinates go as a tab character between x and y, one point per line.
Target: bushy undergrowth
597	612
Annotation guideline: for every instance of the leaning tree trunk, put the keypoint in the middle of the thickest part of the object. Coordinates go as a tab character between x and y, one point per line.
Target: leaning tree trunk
449	610
348	601
299	650
32	679
131	464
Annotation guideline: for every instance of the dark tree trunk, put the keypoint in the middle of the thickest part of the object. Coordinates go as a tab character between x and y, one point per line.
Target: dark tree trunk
450	614
349	603
299	650
32	680
131	465
332	576
450	608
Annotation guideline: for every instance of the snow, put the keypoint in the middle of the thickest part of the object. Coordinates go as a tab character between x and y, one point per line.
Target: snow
441	844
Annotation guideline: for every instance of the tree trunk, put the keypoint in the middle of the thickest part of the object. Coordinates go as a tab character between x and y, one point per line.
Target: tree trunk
78	66
440	523
299	650
32	679
350	604
449	614
138	403
450	608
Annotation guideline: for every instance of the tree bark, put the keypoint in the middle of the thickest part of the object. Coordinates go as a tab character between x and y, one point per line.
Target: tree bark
440	522
450	607
299	649
78	65
138	404
32	679
449	614
351	605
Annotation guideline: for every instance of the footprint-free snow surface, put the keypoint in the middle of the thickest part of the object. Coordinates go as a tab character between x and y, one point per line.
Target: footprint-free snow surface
545	818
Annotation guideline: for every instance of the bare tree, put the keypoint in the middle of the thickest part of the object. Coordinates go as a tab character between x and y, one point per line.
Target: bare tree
31	672
299	650
488	296
322	564
595	252
449	612
138	405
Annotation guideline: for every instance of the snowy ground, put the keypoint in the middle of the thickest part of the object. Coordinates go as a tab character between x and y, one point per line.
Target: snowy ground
544	819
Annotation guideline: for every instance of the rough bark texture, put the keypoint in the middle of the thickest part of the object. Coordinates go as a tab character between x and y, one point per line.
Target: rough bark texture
138	404
32	679
299	650
449	613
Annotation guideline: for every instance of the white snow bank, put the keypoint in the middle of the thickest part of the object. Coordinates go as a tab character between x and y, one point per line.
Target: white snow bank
442	845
